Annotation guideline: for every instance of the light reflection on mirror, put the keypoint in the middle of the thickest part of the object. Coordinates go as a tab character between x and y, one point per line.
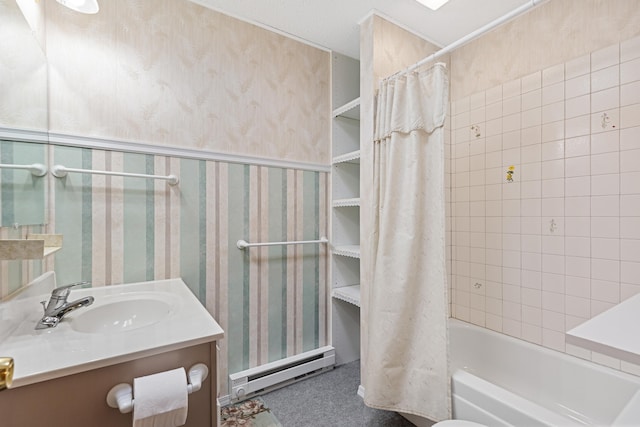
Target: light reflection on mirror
22	194
23	110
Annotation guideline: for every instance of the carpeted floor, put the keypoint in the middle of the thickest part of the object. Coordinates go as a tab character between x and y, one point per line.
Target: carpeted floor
329	399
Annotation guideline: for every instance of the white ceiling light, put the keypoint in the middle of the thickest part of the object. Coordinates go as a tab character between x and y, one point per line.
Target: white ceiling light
431	4
83	6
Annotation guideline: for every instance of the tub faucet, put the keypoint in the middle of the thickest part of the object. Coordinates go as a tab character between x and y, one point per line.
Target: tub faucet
58	307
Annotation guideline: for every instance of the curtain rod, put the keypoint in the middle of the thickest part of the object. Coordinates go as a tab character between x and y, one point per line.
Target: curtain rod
456	44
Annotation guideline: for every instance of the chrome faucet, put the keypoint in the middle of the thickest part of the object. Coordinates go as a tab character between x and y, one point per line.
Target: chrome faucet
58	307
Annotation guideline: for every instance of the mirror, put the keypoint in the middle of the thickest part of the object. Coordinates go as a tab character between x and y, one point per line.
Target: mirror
23	111
22	194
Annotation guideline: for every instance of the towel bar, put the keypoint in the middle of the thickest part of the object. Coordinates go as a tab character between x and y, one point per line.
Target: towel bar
60	171
36	169
243	244
121	395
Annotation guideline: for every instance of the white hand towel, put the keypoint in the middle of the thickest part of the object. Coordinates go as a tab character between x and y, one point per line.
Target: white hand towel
160	400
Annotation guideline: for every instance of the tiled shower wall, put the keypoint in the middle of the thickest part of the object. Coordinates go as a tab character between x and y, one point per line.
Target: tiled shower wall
545	198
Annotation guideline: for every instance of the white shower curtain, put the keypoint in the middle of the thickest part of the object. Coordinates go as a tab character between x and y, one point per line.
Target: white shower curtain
407	352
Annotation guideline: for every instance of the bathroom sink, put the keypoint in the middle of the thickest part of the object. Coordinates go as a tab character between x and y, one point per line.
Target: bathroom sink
121	314
125	322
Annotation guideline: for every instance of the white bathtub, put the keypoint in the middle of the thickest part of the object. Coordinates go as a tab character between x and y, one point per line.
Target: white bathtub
501	381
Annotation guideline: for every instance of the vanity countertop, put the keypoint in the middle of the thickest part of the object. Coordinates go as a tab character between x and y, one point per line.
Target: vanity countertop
612	332
41	355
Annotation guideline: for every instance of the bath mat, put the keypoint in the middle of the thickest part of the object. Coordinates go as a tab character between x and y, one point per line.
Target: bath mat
250	413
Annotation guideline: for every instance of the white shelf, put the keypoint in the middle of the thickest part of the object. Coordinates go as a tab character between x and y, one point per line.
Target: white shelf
346	203
35	246
612	332
352	251
352	157
350	110
345	209
346	181
350	294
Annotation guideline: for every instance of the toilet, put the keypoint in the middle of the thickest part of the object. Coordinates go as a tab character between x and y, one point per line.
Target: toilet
457	423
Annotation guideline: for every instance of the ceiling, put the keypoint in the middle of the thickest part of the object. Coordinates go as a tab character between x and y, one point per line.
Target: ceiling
333	24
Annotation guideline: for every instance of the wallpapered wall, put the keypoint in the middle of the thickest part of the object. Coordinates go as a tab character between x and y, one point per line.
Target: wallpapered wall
22	194
172	73
23	72
22	201
547	35
271	302
168	72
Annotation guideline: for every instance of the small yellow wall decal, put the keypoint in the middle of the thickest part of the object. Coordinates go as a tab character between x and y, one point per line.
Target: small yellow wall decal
510	173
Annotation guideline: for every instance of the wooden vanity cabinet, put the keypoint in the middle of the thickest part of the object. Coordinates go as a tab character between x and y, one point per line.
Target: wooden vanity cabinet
80	399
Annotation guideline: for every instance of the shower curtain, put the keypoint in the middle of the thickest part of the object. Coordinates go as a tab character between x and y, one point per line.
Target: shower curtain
407	352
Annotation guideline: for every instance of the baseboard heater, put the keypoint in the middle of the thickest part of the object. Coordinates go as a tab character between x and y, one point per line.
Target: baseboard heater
264	378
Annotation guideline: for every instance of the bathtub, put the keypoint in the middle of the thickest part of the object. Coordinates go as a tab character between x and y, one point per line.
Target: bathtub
501	381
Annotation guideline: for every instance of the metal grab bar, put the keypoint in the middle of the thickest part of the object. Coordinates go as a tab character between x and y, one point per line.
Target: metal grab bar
242	244
36	169
60	171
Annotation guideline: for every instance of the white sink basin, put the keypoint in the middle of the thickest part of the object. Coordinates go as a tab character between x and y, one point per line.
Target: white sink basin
126	322
120	314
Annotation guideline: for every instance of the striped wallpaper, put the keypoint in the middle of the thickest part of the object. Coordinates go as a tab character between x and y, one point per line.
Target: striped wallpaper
22	201
14	274
271	302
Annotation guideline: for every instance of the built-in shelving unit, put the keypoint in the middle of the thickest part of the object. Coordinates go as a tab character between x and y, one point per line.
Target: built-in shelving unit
351	157
346	203
350	294
345	218
352	251
350	110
